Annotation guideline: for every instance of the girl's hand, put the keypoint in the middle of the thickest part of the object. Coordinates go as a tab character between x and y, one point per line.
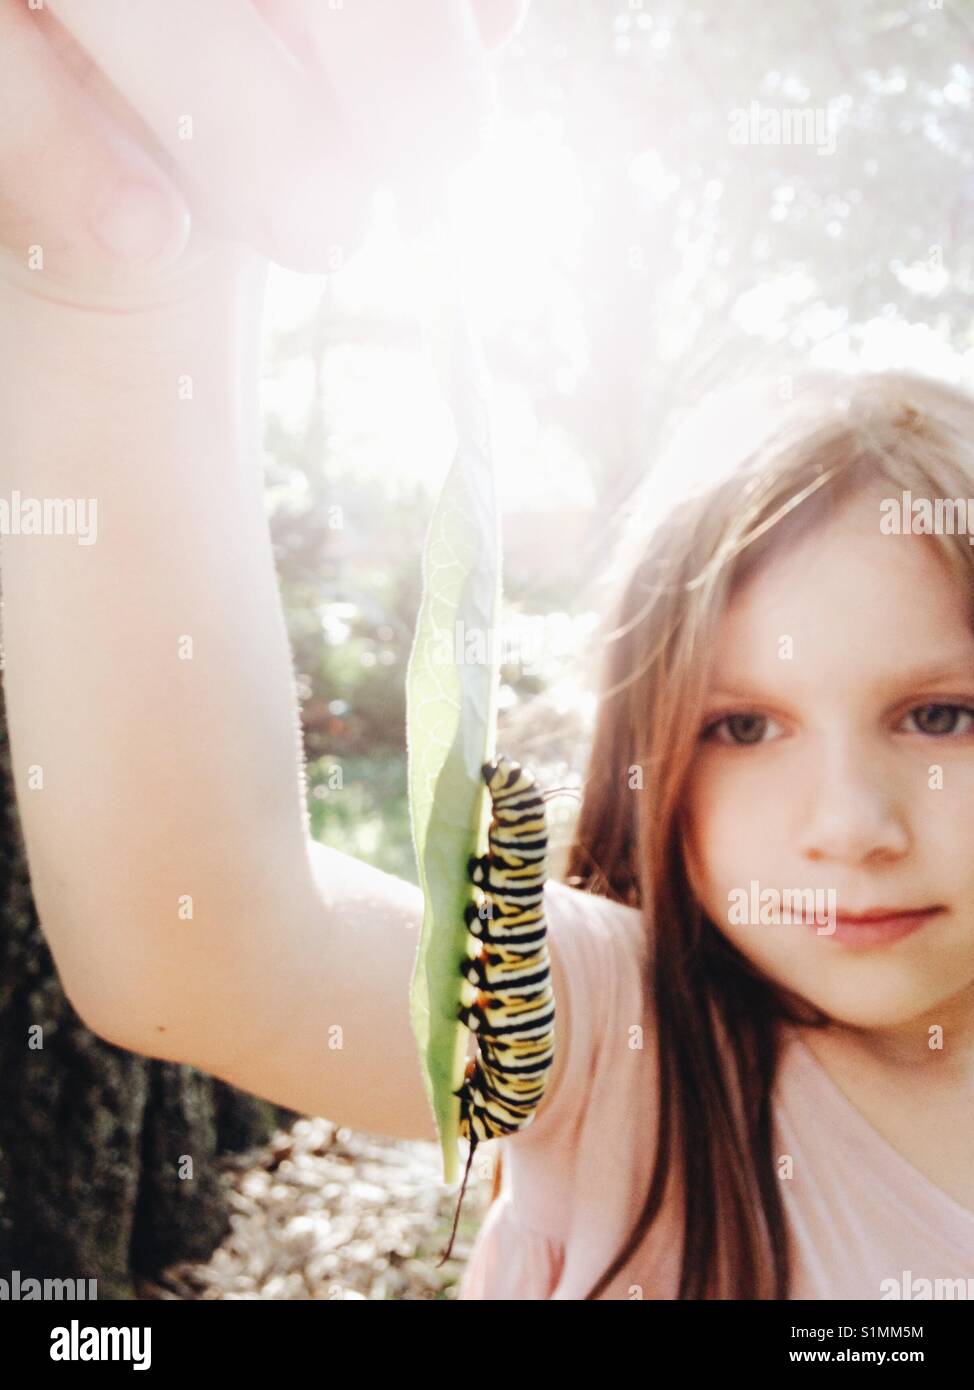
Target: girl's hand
138	136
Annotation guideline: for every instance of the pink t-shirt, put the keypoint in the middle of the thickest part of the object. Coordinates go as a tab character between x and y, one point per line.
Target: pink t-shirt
576	1178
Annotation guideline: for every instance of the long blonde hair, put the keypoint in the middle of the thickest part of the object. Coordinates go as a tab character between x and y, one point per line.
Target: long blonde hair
749	469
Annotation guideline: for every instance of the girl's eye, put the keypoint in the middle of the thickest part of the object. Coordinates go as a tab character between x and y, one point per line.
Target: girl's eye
935	721
940	720
742	729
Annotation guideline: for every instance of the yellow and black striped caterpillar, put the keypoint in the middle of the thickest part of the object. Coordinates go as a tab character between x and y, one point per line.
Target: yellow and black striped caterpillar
512	1012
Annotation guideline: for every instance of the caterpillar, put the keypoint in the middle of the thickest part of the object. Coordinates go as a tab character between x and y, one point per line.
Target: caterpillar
512	1014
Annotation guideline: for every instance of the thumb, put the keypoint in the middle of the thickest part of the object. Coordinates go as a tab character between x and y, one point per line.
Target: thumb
80	199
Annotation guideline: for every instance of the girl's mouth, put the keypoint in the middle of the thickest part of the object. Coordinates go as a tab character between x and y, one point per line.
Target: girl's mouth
881	926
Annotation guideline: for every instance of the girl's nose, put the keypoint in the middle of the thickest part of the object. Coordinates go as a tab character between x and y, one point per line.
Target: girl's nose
852	811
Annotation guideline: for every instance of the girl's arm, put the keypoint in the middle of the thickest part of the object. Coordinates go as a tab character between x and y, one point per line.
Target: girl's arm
150	700
155	730
154	726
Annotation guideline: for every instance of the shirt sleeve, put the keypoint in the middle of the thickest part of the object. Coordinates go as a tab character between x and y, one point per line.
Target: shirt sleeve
601	947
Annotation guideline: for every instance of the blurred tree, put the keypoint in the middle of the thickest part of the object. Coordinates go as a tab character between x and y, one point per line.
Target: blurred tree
708	254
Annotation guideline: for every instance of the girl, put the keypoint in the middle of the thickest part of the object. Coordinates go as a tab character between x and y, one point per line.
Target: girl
774	1109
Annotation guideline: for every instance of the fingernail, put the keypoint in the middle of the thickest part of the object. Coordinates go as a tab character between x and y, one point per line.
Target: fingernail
139	222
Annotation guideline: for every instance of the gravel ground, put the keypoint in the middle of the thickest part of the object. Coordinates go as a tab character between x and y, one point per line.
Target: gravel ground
328	1212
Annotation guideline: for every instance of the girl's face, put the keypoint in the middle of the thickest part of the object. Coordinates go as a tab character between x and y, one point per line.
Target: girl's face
840	755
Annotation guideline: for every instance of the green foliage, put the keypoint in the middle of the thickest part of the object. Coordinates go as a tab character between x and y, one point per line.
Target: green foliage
358	805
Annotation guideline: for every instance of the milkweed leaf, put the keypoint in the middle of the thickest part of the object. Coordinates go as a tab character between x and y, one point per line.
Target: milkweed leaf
451	703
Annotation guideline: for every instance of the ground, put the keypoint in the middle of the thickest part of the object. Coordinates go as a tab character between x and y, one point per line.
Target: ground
323	1212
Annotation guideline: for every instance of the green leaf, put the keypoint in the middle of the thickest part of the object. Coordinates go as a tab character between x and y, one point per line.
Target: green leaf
451	707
